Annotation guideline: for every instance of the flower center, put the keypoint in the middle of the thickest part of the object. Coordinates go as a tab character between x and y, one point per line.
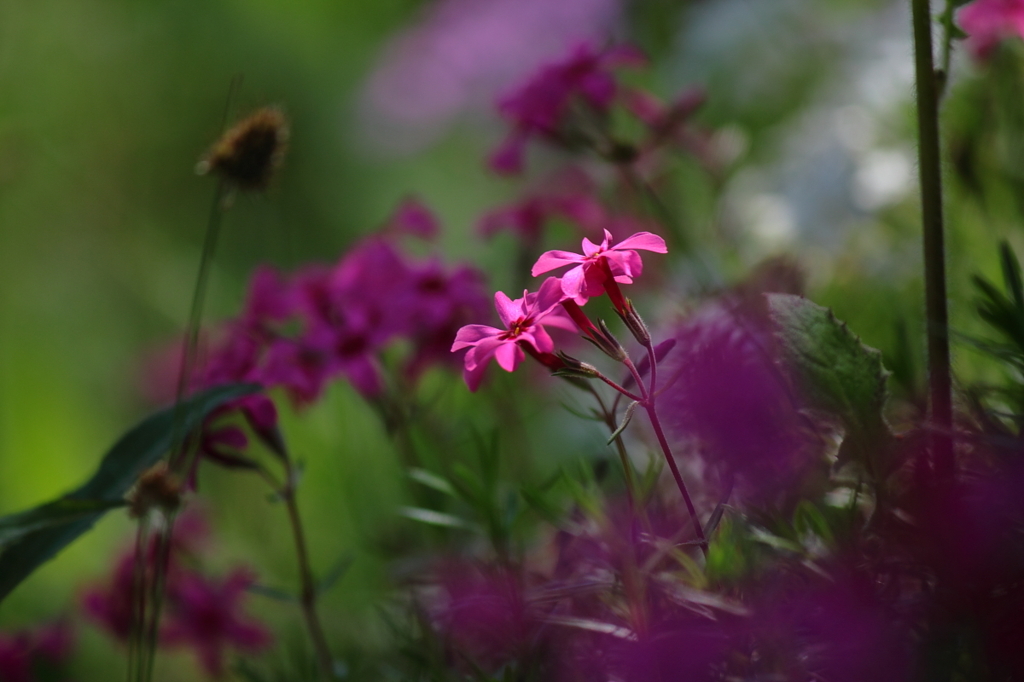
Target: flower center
517	328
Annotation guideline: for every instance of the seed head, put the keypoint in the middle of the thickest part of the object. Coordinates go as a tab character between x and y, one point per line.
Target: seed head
250	151
157	488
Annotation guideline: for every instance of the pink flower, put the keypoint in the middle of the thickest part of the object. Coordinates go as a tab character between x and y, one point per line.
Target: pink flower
413	217
588	278
458	54
987	22
205	614
31	655
522	319
539	106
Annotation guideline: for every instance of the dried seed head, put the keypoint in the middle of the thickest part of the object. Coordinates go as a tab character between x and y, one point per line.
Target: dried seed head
157	488
248	154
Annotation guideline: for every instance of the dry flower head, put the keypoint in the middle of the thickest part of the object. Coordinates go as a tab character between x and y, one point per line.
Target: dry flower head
249	153
157	488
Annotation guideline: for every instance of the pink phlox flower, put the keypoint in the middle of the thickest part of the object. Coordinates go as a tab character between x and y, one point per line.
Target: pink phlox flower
439	303
41	650
588	277
302	368
412	217
268	299
206	615
988	22
524	320
110	605
353	355
364	285
540	105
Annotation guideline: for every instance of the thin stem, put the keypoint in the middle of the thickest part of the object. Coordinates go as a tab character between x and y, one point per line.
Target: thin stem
653	361
190	346
138	623
620	389
308	594
638	379
936	312
667	451
627	467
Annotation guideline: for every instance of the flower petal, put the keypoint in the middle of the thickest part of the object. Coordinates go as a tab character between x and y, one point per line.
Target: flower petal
508	310
554	259
508	355
642	240
472	334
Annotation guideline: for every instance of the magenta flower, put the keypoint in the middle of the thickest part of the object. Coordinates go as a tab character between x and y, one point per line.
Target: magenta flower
589	276
987	22
205	614
540	106
36	654
523	319
413	217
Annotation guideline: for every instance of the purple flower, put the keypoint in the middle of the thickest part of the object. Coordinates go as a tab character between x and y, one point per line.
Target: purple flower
414	218
42	650
730	403
524	319
461	53
482	613
988	22
588	278
541	105
205	614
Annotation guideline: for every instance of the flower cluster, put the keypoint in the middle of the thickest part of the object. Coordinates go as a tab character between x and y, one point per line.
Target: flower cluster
204	613
599	269
301	331
41	651
567	103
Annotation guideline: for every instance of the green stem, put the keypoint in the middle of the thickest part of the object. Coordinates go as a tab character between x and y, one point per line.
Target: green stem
936	312
308	594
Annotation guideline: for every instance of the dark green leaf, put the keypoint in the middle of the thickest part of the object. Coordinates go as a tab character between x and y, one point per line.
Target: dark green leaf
64	510
136	451
834	372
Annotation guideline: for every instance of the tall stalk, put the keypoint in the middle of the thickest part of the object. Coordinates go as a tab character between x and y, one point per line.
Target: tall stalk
940	403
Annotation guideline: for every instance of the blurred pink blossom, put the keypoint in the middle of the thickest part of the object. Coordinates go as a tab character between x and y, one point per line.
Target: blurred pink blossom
42	649
988	22
540	105
461	53
205	614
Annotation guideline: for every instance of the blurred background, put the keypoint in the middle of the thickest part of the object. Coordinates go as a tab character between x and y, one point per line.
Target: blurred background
106	106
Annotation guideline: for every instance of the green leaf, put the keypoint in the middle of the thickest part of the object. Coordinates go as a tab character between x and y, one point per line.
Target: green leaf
16	526
45	533
436	518
834	372
626	418
432	480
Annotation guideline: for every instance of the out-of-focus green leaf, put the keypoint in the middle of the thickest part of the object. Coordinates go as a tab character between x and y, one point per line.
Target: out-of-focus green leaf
137	450
836	373
432	480
435	518
64	510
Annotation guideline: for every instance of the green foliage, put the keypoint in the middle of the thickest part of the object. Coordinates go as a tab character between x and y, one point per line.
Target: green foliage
837	374
32	537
